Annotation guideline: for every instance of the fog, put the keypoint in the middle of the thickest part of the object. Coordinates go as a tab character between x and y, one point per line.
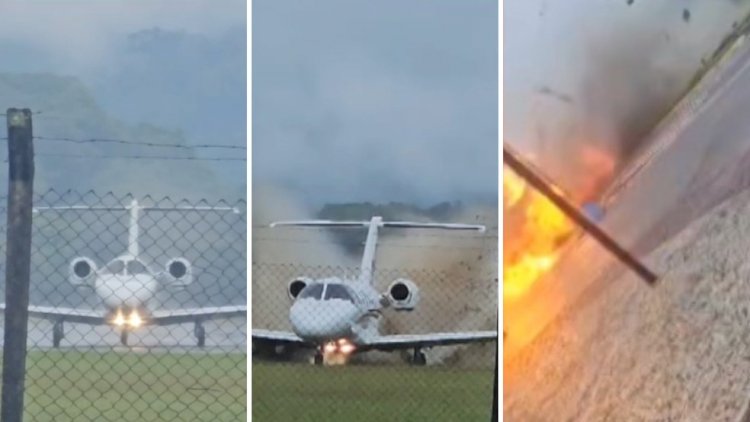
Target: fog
601	74
168	66
392	101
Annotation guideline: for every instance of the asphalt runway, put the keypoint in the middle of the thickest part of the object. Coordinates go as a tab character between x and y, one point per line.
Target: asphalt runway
222	336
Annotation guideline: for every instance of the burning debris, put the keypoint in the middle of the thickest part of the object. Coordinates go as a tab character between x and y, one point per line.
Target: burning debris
546	219
535	229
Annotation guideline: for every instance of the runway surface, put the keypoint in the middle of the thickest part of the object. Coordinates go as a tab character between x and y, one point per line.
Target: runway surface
227	336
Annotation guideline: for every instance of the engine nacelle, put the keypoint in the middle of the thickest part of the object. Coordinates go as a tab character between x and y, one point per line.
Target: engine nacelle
82	271
403	294
295	286
179	272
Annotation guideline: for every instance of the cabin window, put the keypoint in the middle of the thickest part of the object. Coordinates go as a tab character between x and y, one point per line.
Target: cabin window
338	291
314	291
115	267
136	268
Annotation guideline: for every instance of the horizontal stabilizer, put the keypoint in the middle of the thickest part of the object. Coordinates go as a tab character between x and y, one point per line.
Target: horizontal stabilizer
394	224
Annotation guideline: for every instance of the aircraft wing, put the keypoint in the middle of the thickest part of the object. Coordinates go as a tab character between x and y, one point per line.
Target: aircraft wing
179	316
281	337
53	313
410	341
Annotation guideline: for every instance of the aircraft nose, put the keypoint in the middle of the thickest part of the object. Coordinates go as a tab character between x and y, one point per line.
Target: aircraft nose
322	320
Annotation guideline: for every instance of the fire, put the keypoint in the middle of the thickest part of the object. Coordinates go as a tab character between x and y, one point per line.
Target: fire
338	352
533	248
513	187
599	166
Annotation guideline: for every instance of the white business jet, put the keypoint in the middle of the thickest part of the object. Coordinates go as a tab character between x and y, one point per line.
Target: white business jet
127	285
338	317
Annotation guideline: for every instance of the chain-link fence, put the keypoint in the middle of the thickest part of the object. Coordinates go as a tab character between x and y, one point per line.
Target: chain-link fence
137	309
438	287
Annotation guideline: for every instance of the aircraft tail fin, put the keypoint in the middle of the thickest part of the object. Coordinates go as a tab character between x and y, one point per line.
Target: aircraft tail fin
135	209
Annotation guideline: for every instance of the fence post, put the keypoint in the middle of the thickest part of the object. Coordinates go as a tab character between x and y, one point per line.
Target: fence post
18	261
495	411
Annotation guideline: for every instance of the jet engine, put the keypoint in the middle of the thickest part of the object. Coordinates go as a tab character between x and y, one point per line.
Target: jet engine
403	294
82	271
295	286
179	272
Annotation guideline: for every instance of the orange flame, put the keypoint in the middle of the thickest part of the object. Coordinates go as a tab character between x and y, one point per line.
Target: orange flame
536	227
513	188
533	250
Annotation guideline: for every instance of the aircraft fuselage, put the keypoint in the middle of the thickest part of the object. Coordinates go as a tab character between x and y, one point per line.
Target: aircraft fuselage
125	291
332	309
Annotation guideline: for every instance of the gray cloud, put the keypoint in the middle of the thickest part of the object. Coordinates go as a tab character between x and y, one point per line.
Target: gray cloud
176	64
568	45
81	34
358	100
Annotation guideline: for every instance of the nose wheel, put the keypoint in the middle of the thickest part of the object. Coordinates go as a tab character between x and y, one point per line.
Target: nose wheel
58	332
318	358
124	337
418	358
200	333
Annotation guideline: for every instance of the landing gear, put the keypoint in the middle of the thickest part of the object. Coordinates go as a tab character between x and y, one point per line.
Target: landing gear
58	332
318	358
124	337
418	358
200	333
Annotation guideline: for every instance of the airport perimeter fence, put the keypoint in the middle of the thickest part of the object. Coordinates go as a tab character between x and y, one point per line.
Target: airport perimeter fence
455	280
137	309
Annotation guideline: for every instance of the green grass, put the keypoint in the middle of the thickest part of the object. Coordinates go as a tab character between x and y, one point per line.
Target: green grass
301	393
93	386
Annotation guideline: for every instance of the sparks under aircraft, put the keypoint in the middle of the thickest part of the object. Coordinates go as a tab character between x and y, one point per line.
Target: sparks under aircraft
126	285
338	317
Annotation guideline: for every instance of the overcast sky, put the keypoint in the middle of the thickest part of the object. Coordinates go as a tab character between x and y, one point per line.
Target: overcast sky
178	65
82	35
557	44
389	100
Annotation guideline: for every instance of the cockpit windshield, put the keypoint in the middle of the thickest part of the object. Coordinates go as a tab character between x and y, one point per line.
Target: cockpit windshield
115	267
313	291
337	291
136	267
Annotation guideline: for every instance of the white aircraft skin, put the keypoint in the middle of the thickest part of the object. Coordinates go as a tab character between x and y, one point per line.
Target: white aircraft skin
123	289
126	286
341	316
117	284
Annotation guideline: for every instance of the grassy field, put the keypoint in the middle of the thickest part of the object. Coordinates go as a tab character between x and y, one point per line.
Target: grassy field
301	392
94	386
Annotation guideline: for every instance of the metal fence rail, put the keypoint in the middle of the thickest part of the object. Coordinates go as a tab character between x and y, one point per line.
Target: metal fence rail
453	383
137	309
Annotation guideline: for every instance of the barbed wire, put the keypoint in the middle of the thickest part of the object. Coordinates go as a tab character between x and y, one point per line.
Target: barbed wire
139	143
33	113
138	157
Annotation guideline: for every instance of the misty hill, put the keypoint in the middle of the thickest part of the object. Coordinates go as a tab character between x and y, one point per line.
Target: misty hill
69	110
200	81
